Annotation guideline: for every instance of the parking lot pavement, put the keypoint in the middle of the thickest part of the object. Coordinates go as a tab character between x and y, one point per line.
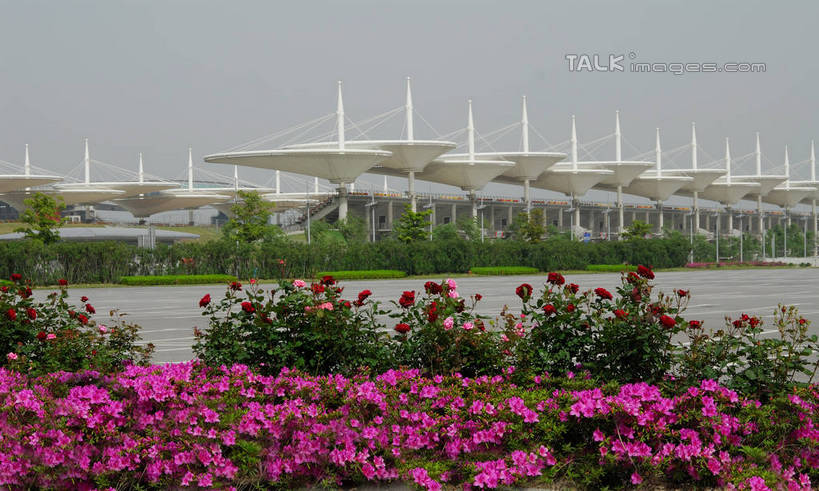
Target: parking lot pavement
168	314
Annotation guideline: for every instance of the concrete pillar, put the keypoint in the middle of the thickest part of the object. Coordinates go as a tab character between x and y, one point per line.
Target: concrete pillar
389	214
696	211
815	226
660	217
492	218
560	218
511	216
708	222
453	215
730	220
621	222
433	218
411	191
369	219
342	203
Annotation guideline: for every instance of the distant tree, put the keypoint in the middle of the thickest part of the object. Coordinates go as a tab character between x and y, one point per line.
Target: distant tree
42	215
251	220
470	227
534	226
353	229
446	231
637	230
528	226
412	226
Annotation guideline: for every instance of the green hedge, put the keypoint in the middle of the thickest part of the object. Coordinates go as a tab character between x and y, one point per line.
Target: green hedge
177	279
363	274
611	268
503	270
107	262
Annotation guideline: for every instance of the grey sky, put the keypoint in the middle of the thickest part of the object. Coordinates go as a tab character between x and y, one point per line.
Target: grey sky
157	76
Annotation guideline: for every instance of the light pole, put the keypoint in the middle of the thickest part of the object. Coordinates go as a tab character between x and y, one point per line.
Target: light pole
307	205
785	237
740	238
481	208
608	223
716	235
690	217
805	235
371	206
570	211
427	207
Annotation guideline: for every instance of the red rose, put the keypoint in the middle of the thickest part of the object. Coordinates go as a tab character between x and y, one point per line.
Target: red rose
695	324
667	321
41	336
317	288
645	272
204	301
572	287
549	309
32	314
402	328
524	291
737	323
83	298
432	312
802	321
363	295
248	307
235	286
632	278
25	293
4	289
570	307
12	314
460	306
620	314
555	279
90	309
63	282
478	297
407	299
433	288
83	319
346	304
328	280
754	321
16	277
603	293
682	293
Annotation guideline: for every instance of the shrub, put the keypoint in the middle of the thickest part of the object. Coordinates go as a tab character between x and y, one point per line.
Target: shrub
177	279
503	270
311	328
611	268
747	358
627	338
42	337
363	274
441	334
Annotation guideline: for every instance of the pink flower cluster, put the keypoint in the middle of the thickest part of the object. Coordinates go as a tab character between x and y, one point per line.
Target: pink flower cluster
190	425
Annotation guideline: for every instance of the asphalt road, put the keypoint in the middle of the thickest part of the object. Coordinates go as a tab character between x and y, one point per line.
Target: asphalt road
168	314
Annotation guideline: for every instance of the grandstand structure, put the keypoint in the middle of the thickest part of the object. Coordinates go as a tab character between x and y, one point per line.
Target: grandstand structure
327	169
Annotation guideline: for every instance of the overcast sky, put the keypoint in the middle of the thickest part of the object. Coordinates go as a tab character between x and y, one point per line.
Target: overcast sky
157	76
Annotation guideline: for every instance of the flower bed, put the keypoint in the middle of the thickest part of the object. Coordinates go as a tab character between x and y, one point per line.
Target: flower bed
177	279
363	274
503	270
759	264
190	425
